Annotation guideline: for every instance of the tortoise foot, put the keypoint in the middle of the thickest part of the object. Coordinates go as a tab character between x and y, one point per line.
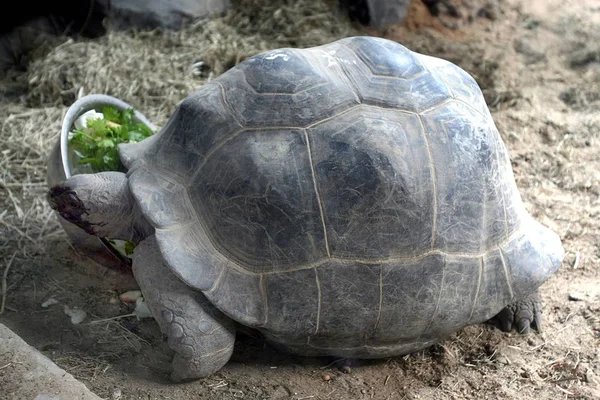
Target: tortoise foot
522	315
201	336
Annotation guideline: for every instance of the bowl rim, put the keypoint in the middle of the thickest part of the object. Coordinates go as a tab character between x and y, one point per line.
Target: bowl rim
87	103
80	106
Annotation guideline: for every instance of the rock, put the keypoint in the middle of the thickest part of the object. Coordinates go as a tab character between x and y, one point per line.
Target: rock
585	56
574	296
130	296
151	14
490	10
22	40
50	302
503	360
65	16
28	374
451	13
29	26
590	378
346	369
77	315
376	13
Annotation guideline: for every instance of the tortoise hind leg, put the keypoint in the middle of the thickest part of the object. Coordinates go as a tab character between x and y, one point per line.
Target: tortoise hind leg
523	315
201	336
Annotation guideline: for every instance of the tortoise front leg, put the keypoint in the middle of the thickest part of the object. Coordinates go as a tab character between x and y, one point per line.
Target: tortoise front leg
201	336
522	314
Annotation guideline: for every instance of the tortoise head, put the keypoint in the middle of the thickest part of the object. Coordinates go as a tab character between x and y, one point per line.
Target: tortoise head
101	204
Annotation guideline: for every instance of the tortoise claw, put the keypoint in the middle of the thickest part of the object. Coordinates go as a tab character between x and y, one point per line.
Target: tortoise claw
523	315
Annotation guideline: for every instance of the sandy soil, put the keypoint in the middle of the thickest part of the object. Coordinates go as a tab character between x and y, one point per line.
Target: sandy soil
538	63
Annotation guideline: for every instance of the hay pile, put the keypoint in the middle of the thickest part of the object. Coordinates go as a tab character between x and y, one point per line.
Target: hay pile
153	71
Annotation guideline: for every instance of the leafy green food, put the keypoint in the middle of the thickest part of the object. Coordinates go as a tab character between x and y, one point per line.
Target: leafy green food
124	246
96	144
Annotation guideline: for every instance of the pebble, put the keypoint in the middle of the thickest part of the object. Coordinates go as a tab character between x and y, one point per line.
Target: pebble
503	360
131	296
590	377
574	296
345	369
50	302
77	315
326	378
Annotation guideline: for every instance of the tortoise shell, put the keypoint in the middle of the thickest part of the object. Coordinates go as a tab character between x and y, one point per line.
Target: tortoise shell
354	196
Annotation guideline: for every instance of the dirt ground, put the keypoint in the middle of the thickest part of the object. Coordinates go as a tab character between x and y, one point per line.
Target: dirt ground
538	63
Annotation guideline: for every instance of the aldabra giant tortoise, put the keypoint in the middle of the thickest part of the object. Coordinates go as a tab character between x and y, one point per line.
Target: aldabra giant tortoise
353	199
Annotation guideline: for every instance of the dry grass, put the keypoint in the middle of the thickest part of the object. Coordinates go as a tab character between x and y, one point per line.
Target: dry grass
26	221
156	70
83	367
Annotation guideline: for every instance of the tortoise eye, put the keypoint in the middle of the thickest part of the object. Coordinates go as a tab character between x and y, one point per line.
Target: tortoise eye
72	201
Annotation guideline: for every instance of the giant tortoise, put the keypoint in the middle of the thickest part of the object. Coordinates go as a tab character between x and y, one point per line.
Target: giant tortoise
353	199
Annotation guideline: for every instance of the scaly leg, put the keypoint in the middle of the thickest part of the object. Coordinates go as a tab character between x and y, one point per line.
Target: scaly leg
201	336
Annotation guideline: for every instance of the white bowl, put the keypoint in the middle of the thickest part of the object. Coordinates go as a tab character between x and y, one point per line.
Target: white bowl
60	168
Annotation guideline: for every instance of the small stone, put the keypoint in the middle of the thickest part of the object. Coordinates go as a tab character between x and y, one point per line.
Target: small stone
152	14
346	369
503	360
588	374
116	394
326	378
574	296
50	302
130	296
77	315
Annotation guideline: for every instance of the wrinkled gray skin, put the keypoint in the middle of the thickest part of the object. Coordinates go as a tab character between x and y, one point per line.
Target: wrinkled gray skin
352	200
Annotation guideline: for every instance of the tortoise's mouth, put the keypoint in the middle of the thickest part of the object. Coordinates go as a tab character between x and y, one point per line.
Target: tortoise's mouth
67	203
